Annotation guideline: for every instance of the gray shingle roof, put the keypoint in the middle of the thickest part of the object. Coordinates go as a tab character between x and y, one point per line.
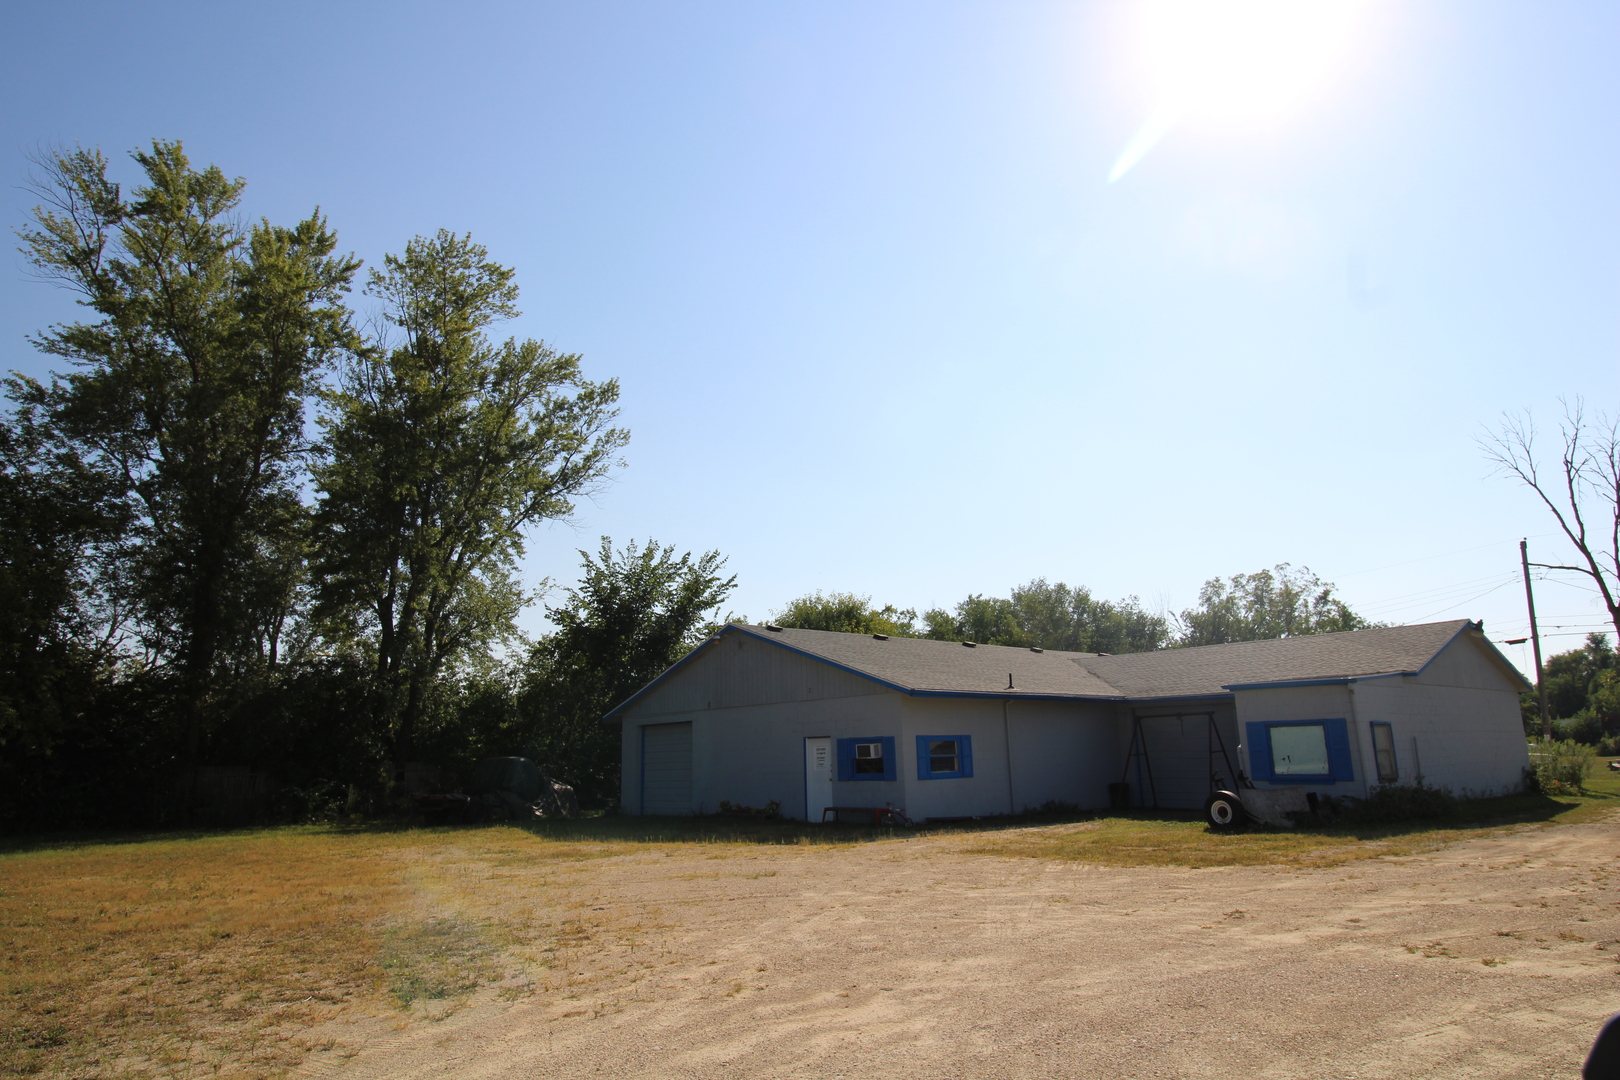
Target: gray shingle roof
923	666
917	664
1208	668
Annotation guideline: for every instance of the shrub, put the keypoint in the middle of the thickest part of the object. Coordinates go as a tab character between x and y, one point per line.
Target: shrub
1560	767
1609	746
1398	802
1581	729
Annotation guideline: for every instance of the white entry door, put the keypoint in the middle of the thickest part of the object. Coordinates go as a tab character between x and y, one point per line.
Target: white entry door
818	777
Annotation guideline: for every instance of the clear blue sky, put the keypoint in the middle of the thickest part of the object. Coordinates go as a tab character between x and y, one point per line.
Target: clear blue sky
882	322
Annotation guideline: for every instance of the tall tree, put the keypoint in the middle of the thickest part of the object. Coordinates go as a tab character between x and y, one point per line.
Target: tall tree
442	448
1276	603
633	614
1583	494
189	389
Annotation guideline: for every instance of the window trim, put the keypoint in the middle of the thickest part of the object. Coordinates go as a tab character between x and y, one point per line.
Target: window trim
1394	754
846	759
1335	732
964	758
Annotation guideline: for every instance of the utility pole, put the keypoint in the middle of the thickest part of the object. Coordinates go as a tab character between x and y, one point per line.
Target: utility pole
1535	640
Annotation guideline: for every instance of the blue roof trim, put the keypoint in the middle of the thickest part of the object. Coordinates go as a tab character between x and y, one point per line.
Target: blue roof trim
1017	695
1334	681
1337	681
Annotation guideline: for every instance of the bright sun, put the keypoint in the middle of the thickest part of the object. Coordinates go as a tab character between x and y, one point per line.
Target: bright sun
1236	64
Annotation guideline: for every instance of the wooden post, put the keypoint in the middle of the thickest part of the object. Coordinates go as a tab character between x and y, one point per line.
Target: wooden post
1535	641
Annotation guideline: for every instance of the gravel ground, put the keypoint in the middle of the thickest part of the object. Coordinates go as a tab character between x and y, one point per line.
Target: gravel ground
1490	958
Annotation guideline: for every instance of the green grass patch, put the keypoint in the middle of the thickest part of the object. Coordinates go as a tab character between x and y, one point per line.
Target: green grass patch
437	959
1170	839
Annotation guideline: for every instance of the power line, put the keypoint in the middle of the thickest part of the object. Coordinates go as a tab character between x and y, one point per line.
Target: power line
1470	600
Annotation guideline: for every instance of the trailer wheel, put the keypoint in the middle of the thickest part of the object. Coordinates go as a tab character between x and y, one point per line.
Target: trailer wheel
1224	810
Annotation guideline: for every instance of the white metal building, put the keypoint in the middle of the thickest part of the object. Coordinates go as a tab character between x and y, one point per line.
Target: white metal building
812	719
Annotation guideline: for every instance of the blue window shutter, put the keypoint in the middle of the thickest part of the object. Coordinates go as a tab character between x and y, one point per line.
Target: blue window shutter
891	761
923	772
1259	751
967	755
846	758
1338	748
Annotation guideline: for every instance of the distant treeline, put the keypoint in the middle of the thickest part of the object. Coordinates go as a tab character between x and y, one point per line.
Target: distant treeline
1280	602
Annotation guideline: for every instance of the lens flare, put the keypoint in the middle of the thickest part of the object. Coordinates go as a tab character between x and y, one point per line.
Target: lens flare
1236	65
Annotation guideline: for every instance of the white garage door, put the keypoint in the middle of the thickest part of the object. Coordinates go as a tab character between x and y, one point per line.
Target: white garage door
666	769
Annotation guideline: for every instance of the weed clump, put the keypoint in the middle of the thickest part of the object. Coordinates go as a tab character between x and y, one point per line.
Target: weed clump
1398	802
1559	767
1056	810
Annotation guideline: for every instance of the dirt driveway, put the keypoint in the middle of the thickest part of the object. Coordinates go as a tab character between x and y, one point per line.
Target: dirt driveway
1494	957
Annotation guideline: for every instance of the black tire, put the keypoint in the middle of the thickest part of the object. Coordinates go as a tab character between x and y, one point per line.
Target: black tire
1224	811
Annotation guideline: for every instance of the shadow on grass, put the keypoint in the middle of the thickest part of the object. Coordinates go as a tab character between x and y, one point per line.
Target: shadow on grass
725	829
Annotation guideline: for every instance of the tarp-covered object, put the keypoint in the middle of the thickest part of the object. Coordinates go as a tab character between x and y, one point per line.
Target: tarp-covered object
520	785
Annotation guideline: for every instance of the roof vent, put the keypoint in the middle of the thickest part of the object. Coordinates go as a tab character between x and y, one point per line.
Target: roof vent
773	628
1105	654
880	637
971	644
1036	648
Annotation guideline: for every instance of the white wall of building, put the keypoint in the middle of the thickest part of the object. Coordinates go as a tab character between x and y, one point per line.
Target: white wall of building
1458	722
751	705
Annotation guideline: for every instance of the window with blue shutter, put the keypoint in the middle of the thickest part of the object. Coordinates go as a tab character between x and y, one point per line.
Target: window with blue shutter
1300	751
870	758
944	757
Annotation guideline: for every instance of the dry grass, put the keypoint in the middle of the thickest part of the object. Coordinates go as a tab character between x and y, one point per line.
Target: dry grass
151	958
224	955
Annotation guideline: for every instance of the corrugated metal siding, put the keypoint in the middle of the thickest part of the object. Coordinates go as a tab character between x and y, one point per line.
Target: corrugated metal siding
666	769
742	671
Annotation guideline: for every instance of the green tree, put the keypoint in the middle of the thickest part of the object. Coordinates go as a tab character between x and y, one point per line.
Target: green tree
189	391
845	613
60	523
632	615
1276	603
440	451
1583	692
1052	615
1572	677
